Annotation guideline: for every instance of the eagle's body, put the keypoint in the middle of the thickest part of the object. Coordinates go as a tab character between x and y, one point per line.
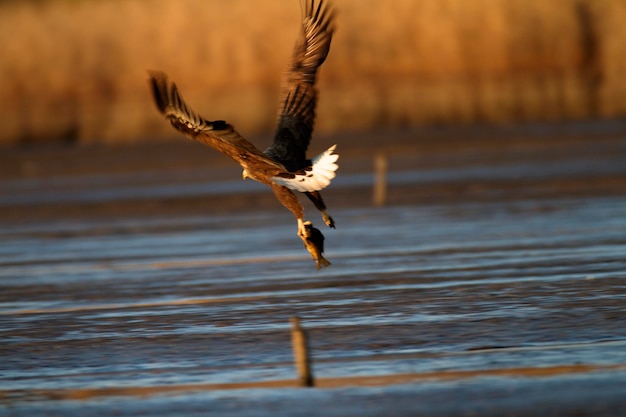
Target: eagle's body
283	166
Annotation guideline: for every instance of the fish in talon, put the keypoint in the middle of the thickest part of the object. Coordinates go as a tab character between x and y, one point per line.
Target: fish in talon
313	241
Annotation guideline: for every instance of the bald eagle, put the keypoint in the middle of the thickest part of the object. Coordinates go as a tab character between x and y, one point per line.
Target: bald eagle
283	166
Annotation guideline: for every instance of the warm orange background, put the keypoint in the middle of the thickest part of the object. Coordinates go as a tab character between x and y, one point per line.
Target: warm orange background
74	70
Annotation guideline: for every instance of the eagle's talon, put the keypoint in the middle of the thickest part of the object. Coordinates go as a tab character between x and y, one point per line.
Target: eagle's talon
302	230
328	220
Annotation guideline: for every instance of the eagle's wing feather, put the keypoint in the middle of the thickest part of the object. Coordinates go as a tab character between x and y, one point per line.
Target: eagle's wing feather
298	97
218	134
313	178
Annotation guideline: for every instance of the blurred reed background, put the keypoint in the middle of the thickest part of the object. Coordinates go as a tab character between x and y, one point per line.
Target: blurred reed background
75	70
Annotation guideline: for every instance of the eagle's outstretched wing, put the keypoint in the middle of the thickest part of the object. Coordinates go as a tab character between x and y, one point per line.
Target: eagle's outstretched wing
218	134
283	166
298	97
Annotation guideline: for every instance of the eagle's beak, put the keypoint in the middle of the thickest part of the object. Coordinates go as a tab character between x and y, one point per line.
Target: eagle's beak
244	174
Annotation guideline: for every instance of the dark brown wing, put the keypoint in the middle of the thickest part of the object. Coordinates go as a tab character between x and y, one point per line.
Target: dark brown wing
298	94
218	134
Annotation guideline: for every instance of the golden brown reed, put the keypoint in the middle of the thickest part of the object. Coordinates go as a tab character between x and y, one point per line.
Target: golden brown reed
75	70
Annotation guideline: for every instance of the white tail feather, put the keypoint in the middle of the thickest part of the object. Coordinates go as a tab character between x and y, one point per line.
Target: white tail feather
323	168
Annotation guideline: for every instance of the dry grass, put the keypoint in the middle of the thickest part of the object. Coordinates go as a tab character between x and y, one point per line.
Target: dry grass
75	70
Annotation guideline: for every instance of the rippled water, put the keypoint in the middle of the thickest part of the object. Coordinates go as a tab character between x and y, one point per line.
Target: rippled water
467	301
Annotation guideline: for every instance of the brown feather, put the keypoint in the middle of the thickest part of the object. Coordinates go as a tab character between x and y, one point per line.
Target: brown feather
217	134
298	96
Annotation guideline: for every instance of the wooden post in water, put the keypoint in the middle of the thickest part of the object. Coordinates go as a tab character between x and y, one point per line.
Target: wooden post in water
380	179
301	355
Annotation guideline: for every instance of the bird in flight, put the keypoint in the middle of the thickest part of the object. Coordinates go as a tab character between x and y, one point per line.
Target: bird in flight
283	166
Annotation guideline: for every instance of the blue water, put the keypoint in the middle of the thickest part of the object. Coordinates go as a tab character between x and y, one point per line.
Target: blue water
419	289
